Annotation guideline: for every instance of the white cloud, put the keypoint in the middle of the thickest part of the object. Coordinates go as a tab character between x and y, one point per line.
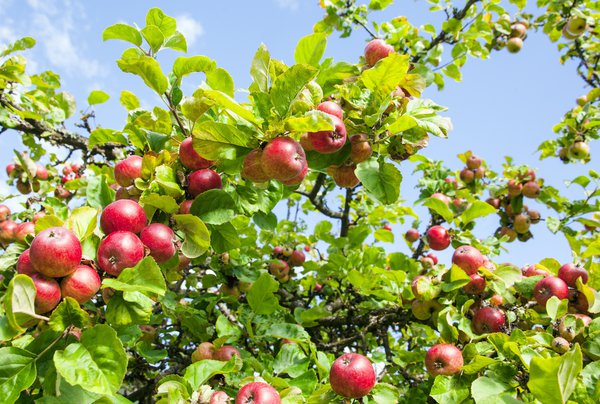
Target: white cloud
289	4
190	28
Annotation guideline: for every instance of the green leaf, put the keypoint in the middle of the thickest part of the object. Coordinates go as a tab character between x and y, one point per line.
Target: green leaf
385	393
288	85
224	237
219	79
67	313
449	389
98	192
185	65
97	97
176	42
197	237
556	308
552	380
293	332
200	372
312	121
153	35
135	62
129	100
166	24
310	49
166	178
146	277
230	104
380	179
291	360
155	201
456	279
123	32
214	206
19	302
261	296
592	250
97	363
125	309
46	222
220	141
440	208
18	45
488	390
386	75
476	210
17	372
83	222
478	363
379	4
10	256
100	136
259	69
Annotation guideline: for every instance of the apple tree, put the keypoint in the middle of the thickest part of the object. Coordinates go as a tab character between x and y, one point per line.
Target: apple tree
225	247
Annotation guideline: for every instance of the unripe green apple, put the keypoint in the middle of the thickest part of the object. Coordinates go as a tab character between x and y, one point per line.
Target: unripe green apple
579	151
514	45
576	26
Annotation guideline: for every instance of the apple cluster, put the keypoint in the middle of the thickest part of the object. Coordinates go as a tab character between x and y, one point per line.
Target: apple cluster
285	258
474	170
27	179
518	33
11	231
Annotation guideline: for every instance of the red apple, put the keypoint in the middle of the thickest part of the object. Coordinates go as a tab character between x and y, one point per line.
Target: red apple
47	295
160	240
548	287
257	393
185	206
297	180
7	231
297	258
476	286
570	272
387	227
488	319
205	350
468	258
252	168
376	50
432	257
126	171
531	270
352	375
41	173
496	300
62	193
438	238
38	215
283	159
331	108
10	167
23	230
360	148
344	176
119	250
531	189
495	202
441	197
202	180
190	158
412	235
55	252
81	285
473	162
443	359
225	353
4	213
329	141
279	269
467	176
123	215
24	264
219	397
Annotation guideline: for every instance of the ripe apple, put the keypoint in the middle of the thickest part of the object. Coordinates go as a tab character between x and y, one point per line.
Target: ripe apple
10	168
205	350
467	176
283	158
531	270
443	359
387	227
123	215
468	258
186	206
297	258
510	233
4	213
521	223
412	235
514	188
360	148
190	158
432	257
61	192
252	168
352	375
126	171
24	264
41	172
47	295
329	141
518	30
55	252
441	197
277	250
219	397
119	250
534	216
202	180
548	287
160	240
488	319
297	180
476	286
376	50
473	162
479	173
331	108
438	238
81	285
496	300
579	151
570	272
531	189
578	301
23	230
257	393
225	353
514	45
279	269
344	176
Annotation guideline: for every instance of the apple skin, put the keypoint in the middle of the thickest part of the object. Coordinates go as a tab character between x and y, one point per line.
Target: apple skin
412	235
329	141
344	176
297	258
225	353
522	223
4	213
81	285
360	148
479	173
24	264
576	26
55	252
7	231
119	250
352	375
531	189
190	158
476	286
570	272
202	180
219	397
127	170
41	173
283	159
123	215
531	270
10	167
443	359
159	239
257	393
579	151
297	180
186	206
518	30
468	258
279	269
514	45
23	230
488	319
331	108
47	295
473	162
560	345
467	176
438	238
376	50
205	350
548	287
252	168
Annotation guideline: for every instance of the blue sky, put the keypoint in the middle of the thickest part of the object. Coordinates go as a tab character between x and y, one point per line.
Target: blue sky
503	106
